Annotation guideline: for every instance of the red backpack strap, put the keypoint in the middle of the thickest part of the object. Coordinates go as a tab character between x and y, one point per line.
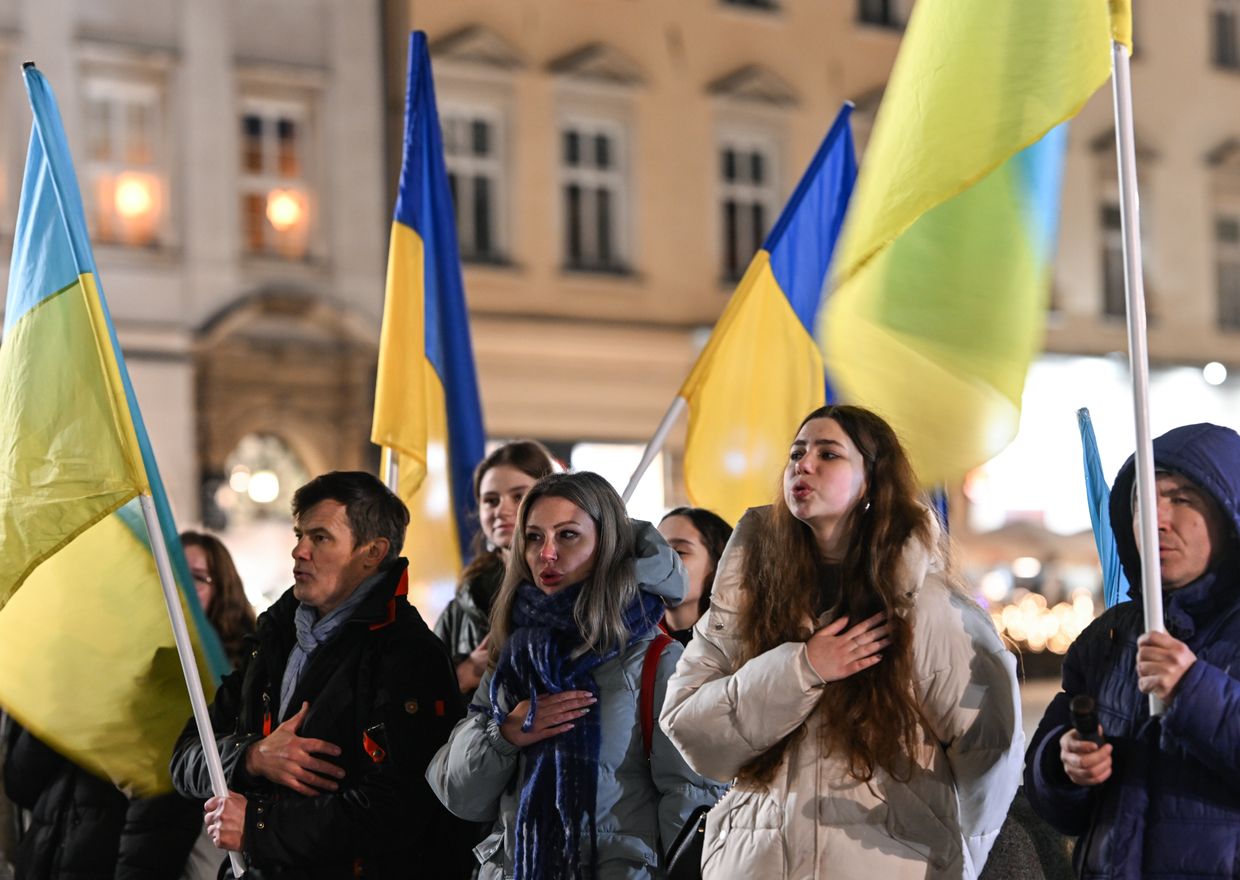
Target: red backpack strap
650	669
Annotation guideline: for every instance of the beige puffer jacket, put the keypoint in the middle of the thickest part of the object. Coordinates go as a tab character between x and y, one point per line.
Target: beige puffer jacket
814	820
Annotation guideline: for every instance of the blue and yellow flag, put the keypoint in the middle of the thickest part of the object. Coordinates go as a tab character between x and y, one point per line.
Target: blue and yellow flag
1098	494
427	410
761	372
944	266
87	658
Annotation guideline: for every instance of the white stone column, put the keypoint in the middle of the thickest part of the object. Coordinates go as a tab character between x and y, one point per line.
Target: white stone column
355	204
206	157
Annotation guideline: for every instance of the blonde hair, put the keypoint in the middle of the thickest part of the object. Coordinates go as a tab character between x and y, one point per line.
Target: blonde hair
610	587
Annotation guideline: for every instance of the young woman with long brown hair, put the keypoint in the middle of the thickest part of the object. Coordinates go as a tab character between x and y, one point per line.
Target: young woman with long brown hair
500	482
864	704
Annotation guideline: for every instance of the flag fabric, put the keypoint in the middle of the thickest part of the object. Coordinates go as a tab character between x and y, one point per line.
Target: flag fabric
1098	493
87	658
941	283
760	372
427	409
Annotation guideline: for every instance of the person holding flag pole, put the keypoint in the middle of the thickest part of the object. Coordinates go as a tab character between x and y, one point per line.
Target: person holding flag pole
84	521
1150	786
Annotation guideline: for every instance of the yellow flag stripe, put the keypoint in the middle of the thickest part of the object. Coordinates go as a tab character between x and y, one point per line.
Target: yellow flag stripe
759	376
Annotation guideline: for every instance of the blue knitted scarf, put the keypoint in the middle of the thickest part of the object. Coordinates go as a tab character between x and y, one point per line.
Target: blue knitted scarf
561	779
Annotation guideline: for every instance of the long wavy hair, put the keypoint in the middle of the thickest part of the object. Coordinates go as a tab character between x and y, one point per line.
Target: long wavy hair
611	586
871	718
529	457
715	532
231	613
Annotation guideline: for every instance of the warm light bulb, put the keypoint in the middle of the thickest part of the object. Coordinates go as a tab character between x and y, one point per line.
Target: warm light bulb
264	487
284	209
134	196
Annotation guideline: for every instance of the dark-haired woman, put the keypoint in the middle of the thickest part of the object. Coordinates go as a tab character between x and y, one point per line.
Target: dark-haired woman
553	749
220	591
500	482
865	705
164	835
698	536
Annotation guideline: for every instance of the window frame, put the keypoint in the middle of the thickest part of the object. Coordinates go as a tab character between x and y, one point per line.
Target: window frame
893	16
109	78
1225	35
616	180
467	168
274	106
750	141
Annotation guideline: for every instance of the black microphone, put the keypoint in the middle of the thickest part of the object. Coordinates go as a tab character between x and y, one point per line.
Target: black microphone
1084	713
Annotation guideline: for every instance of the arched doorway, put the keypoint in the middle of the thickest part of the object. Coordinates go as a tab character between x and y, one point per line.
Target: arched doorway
285	389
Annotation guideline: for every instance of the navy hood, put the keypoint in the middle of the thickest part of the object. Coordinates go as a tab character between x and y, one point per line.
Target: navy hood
1209	455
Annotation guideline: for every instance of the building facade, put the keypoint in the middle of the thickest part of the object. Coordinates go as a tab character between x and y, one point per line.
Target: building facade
231	163
616	164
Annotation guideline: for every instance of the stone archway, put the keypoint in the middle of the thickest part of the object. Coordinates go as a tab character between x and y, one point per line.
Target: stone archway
288	364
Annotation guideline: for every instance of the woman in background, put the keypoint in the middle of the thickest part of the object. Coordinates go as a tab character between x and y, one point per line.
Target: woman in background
500	482
164	838
220	591
698	536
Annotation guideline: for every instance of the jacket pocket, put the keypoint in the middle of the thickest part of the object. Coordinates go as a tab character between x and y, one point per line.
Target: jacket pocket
930	832
744	838
491	849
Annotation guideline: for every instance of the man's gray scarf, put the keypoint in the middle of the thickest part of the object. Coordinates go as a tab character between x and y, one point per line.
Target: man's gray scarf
312	633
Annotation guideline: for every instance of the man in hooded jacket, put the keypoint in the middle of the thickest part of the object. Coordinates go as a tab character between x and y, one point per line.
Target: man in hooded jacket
1161	797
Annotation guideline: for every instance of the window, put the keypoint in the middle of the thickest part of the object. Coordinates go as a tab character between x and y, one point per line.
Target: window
749	200
594	181
1227	257
125	160
473	146
884	13
276	197
1114	302
1225	24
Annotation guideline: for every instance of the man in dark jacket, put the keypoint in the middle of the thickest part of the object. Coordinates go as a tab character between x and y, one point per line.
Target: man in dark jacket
326	729
1161	798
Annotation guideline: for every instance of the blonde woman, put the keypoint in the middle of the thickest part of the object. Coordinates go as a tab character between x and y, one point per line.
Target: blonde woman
552	751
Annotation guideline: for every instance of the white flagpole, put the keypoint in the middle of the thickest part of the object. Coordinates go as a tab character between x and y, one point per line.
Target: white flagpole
1138	352
391	469
655	446
189	666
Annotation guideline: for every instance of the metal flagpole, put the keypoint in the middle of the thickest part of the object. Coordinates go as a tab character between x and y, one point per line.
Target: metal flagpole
1138	352
655	446
189	666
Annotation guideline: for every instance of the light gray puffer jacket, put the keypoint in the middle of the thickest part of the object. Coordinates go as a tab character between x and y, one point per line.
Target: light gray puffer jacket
641	805
814	820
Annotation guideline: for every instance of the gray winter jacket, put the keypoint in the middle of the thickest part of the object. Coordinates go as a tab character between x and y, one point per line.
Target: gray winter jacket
641	805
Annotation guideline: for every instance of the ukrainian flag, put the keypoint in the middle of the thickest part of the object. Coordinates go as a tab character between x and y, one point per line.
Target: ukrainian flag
87	658
945	263
761	372
1098	494
427	410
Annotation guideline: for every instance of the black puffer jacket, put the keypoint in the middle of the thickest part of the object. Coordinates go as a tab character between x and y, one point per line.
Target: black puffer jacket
76	817
384	683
